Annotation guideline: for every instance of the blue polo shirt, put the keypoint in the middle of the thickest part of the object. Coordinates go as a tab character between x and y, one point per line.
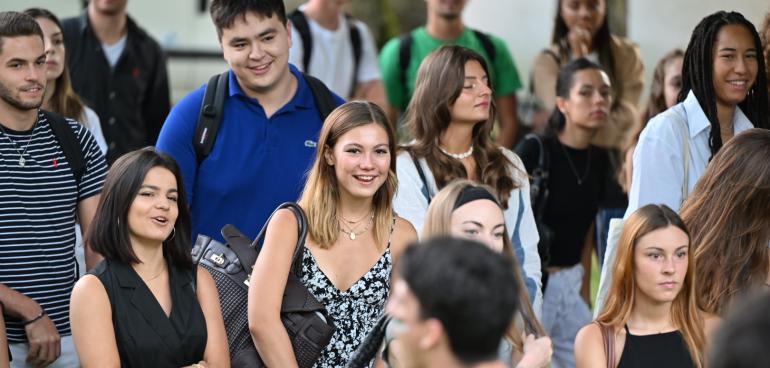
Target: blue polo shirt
256	163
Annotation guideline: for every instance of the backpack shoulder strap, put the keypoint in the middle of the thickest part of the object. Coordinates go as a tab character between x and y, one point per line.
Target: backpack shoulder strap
69	144
486	43
299	21
323	97
210	116
404	57
355	42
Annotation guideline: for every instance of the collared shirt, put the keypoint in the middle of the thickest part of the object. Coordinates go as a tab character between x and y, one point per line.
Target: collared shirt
658	159
131	99
256	163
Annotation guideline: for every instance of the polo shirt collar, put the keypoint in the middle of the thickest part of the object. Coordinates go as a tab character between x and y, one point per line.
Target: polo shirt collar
303	97
698	122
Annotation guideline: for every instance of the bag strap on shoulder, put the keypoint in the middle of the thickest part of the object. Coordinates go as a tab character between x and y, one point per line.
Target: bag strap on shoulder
323	97
423	179
539	187
300	24
355	42
608	339
296	262
487	44
69	144
210	115
404	57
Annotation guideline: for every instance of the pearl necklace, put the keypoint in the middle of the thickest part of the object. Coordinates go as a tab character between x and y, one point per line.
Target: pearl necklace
459	156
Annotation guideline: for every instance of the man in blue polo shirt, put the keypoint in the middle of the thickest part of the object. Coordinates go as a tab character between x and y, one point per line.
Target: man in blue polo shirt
269	127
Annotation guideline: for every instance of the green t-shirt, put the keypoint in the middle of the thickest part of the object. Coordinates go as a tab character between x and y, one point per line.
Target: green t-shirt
503	72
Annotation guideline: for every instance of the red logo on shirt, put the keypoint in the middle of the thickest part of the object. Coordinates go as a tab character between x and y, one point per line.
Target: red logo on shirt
55	163
135	73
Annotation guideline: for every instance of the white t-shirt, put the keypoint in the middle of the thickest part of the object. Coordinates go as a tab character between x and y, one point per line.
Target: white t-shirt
332	55
113	52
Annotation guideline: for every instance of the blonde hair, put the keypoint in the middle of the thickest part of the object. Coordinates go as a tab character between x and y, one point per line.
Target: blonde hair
438	222
622	296
320	198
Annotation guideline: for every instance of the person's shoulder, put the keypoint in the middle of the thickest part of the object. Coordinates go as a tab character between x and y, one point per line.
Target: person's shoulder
711	323
665	123
391	47
588	343
623	44
404	234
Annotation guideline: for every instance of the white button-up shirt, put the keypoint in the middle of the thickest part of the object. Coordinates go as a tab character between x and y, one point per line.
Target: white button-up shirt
658	159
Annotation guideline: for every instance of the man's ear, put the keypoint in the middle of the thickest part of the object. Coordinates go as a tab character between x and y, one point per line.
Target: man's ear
289	26
434	334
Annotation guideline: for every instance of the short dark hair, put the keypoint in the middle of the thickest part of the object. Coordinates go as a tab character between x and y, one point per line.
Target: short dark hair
15	24
224	12
564	82
109	233
468	287
744	335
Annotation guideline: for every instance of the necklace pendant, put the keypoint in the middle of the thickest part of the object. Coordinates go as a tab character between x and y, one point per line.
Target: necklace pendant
352	236
22	161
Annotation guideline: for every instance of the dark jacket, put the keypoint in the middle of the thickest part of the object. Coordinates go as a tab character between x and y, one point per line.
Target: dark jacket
132	100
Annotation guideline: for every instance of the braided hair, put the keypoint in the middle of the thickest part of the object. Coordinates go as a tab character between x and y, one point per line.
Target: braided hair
698	70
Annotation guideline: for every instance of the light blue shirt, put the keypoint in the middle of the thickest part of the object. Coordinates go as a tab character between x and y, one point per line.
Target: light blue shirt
658	159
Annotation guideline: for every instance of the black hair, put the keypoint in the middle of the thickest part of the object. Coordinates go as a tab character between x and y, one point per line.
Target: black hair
468	287
15	24
564	82
225	12
698	70
744	335
109	232
602	43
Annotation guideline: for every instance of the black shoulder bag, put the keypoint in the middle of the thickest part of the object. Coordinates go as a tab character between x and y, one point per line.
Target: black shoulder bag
308	324
538	191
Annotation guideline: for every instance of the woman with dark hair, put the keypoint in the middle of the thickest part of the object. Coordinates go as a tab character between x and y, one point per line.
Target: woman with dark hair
468	210
728	214
664	93
723	93
59	96
353	238
451	115
146	304
581	30
577	173
651	313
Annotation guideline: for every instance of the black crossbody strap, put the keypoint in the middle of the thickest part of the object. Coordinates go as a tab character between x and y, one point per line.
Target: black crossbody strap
323	97
421	173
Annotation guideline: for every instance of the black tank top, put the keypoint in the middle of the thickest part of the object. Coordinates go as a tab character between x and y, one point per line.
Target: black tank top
145	336
661	350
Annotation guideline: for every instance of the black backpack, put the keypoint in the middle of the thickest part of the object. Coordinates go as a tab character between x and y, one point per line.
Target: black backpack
405	51
68	142
299	21
214	101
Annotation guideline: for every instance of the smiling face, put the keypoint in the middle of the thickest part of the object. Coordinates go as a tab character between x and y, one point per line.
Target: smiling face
54	48
480	220
584	14
257	50
153	212
473	104
361	160
22	72
735	64
660	264
589	99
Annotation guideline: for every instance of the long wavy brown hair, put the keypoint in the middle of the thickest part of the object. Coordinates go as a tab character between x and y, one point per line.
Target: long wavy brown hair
728	213
621	298
438	222
440	80
321	197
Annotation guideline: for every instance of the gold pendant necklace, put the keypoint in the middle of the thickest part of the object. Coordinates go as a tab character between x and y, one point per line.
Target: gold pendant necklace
351	233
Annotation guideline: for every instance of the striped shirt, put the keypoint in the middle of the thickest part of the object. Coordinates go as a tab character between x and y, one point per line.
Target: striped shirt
38	202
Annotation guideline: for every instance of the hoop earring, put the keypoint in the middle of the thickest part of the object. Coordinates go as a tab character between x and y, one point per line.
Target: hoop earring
173	234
